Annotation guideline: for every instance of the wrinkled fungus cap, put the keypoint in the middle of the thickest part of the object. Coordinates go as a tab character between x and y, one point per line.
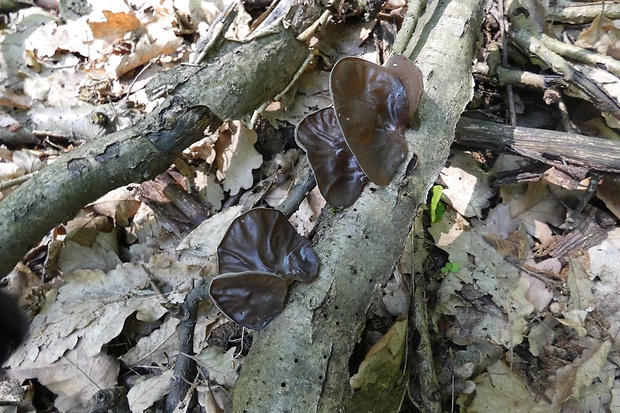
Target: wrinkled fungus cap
338	174
263	240
411	77
251	299
372	109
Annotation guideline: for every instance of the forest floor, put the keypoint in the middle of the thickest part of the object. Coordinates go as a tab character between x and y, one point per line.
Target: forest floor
523	267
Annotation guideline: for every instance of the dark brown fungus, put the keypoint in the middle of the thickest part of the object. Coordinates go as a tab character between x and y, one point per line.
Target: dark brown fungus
338	175
372	109
251	298
411	76
263	240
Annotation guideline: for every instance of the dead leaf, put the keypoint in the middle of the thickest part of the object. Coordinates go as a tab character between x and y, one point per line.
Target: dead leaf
222	366
502	390
75	377
601	36
120	204
237	160
116	24
604	259
202	242
485	270
92	307
156	348
467	186
572	379
102	255
148	391
382	363
580	286
536	208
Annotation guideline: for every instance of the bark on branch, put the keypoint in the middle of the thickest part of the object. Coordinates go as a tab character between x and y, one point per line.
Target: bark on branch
300	361
255	72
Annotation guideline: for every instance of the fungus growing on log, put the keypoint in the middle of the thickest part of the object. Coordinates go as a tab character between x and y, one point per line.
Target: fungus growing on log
411	77
251	298
263	240
258	257
339	177
372	110
372	106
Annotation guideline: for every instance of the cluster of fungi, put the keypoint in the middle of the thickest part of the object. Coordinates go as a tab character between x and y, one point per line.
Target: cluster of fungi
360	139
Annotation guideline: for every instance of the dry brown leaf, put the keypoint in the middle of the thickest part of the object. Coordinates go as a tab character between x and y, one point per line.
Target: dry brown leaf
156	348
148	391
75	377
237	157
116	24
120	205
467	186
382	363
601	36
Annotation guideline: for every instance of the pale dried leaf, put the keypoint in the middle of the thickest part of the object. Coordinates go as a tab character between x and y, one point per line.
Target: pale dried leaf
467	186
307	215
102	255
575	319
601	36
239	158
75	377
13	43
209	190
536	208
159	39
27	160
541	335
120	204
580	286
485	270
93	306
571	379
222	367
146	392
538	294
156	348
498	223
382	363
604	259
202	242
501	390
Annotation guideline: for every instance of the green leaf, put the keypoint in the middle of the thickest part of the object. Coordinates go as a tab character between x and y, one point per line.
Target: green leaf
436	207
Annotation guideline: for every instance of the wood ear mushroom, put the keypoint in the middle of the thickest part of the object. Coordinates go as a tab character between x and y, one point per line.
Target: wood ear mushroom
258	257
372	106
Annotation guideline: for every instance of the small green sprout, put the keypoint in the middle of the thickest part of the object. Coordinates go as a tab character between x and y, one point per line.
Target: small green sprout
452	267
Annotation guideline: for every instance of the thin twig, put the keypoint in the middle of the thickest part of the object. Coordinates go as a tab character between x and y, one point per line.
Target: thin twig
16	181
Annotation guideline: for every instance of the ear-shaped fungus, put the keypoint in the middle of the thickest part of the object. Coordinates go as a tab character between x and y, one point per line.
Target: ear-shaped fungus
372	109
251	299
411	77
337	172
263	240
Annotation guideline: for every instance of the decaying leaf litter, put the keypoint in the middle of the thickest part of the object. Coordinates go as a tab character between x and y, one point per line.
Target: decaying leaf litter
521	301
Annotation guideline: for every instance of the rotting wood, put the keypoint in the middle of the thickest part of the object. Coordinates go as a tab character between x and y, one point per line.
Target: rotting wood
586	151
300	361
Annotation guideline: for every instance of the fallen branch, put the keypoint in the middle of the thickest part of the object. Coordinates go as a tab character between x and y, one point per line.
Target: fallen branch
255	72
300	361
540	144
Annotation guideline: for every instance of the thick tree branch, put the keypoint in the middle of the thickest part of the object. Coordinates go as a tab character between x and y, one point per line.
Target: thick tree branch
255	73
300	361
586	151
